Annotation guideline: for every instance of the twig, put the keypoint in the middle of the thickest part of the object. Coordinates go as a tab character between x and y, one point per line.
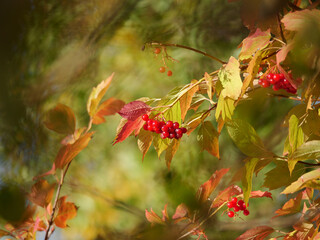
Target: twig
186	47
293	6
309	164
280	28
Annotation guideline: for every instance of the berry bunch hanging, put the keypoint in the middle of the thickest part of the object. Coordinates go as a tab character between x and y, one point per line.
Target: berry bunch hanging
162	69
167	129
237	206
278	81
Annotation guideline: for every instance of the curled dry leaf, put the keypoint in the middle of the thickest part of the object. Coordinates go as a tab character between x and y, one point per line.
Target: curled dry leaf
67	210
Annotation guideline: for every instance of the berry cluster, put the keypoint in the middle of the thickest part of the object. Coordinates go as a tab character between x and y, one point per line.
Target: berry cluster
162	69
167	129
278	81
237	206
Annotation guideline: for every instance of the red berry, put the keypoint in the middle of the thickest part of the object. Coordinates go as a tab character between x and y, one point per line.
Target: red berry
275	87
175	125
157	130
178	131
265	84
184	130
166	134
235	200
157	50
281	76
150	127
236	208
172	135
240	202
276	78
246	212
272	81
162	123
169	73
155	123
163	136
171	130
165	128
145	127
230	204
178	135
260	81
162	69
169	124
242	206
145	117
150	122
230	214
270	76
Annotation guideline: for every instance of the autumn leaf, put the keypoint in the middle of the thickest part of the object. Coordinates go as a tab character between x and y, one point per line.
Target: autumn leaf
186	100
225	108
308	150
208	138
133	110
208	79
109	107
144	141
196	119
4	233
171	151
290	207
181	213
209	186
67	210
229	77
257	233
260	194
253	43
61	119
282	54
153	217
225	195
42	193
97	94
128	128
247	178
160	144
68	152
296	21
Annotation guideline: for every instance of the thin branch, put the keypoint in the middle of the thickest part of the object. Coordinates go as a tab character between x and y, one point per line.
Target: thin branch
293	6
280	28
309	164
186	47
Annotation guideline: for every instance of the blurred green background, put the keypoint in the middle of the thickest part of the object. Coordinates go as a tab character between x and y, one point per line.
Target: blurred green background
56	51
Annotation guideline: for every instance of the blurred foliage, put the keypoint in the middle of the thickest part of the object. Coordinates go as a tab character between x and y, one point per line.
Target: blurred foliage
56	51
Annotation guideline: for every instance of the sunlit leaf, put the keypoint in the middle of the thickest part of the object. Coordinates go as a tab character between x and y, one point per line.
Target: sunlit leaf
67	210
144	141
153	217
133	110
209	84
196	120
109	107
257	233
186	99
171	151
225	108
209	186
290	207
208	138
260	194
296	136
255	42
229	76
296	21
61	119
160	144
308	150
174	113
97	94
246	139
247	178
225	195
42	193
128	128
68	152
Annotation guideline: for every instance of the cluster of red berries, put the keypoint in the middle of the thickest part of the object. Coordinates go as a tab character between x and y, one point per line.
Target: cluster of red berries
278	81
167	129
237	206
162	69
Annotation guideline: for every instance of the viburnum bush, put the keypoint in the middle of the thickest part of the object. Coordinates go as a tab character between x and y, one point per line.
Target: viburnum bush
267	59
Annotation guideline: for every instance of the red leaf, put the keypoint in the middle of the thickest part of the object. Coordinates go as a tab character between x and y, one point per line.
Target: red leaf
70	151
260	194
181	212
133	110
108	107
128	128
153	217
165	215
225	195
67	210
257	233
208	187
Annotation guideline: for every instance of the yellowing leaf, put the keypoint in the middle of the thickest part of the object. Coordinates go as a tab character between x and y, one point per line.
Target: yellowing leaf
209	186
42	193
97	94
254	43
208	138
296	136
144	141
209	84
160	144
61	119
229	76
308	150
196	120
290	207
68	152
67	210
186	99
171	151
225	108
247	178
106	108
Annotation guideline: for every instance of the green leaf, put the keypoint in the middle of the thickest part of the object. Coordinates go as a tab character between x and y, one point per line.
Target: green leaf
246	139
160	144
225	108
280	175
296	137
308	150
208	138
174	113
247	178
302	181
229	76
209	84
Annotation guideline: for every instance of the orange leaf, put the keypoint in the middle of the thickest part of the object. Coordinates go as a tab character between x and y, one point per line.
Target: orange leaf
186	99
61	119
67	210
70	151
260	194
106	108
42	193
181	212
153	217
209	186
290	207
257	233
144	141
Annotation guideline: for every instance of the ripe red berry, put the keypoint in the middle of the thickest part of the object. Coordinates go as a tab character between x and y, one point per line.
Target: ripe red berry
172	135
169	124
270	76
275	87
246	212
150	127
272	81
184	130
166	134
230	204
169	73
242	206
260	81
171	130
276	78
150	121
265	84
230	214
162	69
281	76
175	125
178	135
235	200
145	127
240	202
236	208
163	136
145	117
178	131
165	128
157	50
